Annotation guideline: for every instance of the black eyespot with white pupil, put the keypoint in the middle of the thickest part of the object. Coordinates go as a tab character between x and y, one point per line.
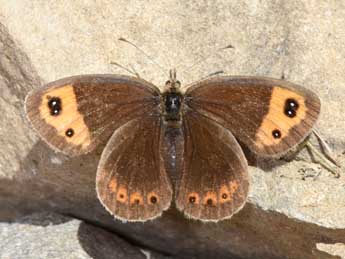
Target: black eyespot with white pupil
69	133
192	199
276	133
54	105
291	107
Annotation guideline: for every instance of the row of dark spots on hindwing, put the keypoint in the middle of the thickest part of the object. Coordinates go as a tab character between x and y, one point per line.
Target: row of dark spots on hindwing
290	110
194	199
226	194
152	199
55	107
134	198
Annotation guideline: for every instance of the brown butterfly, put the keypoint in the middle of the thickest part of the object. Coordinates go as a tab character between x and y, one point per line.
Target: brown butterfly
76	114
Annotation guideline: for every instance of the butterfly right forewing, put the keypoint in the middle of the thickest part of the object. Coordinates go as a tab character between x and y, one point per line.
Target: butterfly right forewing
269	116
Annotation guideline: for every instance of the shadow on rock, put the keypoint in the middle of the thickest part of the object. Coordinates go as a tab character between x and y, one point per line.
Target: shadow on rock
51	181
101	244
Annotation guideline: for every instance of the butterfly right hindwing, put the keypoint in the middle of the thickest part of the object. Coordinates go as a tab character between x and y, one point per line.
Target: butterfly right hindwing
214	182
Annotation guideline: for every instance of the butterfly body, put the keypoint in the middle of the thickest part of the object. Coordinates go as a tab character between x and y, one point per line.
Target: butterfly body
150	134
172	101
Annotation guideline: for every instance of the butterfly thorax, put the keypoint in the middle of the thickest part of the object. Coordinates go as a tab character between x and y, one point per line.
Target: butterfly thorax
172	100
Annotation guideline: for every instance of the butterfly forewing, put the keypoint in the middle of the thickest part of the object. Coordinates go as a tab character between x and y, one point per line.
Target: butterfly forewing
76	114
269	116
214	182
131	179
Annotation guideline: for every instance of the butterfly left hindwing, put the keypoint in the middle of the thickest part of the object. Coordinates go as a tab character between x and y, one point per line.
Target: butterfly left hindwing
131	179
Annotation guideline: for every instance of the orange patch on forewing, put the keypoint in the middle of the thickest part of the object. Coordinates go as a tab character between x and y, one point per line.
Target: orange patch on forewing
193	198
152	198
122	195
276	118
136	198
224	194
210	198
68	118
112	185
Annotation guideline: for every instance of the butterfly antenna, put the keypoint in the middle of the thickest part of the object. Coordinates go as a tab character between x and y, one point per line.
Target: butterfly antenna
216	73
144	53
131	71
203	59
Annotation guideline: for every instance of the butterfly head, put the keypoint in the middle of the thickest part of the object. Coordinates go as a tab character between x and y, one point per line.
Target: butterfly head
172	98
172	85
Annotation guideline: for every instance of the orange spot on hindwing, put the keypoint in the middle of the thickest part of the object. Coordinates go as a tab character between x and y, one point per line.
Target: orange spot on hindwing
152	198
122	195
233	187
112	185
224	194
210	199
136	199
193	198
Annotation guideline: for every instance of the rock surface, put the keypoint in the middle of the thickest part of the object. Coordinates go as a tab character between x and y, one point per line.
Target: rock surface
55	236
295	209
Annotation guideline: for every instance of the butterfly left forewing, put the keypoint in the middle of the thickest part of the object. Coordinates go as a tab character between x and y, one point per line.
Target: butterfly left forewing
270	116
132	182
76	114
214	182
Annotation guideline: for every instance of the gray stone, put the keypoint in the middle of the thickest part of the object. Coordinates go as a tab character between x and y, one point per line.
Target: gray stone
54	236
337	249
292	206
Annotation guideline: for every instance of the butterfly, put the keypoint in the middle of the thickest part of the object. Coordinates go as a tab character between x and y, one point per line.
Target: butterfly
135	119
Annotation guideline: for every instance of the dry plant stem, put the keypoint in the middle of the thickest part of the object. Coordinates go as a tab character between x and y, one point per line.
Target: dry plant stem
323	161
328	151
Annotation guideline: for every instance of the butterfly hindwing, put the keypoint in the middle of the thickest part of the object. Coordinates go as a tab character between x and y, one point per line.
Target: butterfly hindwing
270	116
214	181
132	182
76	114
